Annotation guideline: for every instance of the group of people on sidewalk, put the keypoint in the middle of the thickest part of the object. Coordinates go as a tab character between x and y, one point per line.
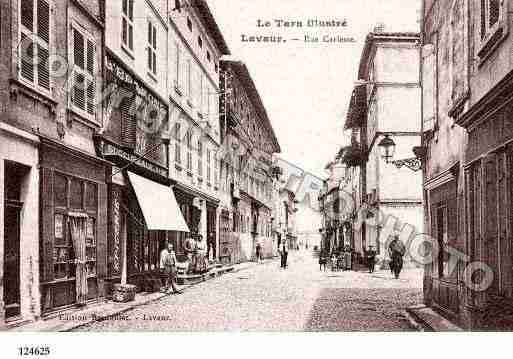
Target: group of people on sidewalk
339	260
196	262
344	259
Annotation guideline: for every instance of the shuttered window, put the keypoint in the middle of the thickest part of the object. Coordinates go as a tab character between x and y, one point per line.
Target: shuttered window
83	92
152	48
34	48
200	158
178	144
209	164
128	120
189	150
188	75
127	24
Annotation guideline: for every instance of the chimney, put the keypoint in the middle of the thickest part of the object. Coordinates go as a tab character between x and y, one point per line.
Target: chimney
380	27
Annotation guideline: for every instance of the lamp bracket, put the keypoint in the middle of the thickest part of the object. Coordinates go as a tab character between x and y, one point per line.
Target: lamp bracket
412	163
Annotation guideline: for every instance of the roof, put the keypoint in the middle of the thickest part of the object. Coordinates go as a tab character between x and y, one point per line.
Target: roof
299	168
357	107
242	72
375	37
210	23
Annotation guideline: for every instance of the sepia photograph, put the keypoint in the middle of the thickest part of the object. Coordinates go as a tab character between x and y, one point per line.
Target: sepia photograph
255	166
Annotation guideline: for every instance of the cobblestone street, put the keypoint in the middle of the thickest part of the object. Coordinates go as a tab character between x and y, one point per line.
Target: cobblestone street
267	298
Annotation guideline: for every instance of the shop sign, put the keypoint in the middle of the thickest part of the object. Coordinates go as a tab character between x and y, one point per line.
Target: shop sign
112	150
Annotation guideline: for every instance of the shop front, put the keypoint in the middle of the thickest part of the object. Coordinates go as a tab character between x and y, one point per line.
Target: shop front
73	241
200	213
143	212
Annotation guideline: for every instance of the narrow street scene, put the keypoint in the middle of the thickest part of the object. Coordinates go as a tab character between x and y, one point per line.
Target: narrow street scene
254	166
265	297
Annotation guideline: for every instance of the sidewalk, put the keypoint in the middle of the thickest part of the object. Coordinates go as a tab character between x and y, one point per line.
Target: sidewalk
107	309
425	319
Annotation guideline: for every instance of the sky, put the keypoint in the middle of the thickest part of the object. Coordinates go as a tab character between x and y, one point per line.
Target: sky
306	86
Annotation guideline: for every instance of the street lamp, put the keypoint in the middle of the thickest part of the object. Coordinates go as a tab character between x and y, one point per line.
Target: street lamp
387	149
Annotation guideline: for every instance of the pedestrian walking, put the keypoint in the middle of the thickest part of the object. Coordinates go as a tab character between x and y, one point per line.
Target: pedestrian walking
396	250
322	261
168	268
371	259
284	254
259	253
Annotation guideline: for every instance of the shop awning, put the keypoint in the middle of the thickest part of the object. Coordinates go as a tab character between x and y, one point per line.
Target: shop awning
158	204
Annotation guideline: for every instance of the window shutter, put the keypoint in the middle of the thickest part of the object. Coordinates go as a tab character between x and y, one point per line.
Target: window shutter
27	58
43	67
78	49
79	88
91	92
428	86
90	57
174	66
27	14
43	20
128	122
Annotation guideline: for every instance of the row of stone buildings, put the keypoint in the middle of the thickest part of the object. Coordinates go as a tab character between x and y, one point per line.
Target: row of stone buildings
446	94
365	197
121	128
467	135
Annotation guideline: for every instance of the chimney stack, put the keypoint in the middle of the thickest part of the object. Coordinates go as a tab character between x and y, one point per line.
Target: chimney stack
380	27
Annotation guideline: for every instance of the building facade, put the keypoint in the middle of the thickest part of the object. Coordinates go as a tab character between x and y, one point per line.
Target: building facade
52	184
466	75
386	103
299	191
246	169
195	46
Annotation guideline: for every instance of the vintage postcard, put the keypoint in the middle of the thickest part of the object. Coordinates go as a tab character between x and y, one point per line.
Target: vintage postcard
255	166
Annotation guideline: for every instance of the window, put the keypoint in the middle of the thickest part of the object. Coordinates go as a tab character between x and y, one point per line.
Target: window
200	41
83	91
208	56
189	24
189	150
178	144
127	24
35	20
202	94
216	68
200	158
178	65
490	16
217	166
209	169
188	75
69	196
152	48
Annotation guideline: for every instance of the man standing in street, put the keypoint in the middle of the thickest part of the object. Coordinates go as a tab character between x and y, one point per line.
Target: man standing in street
258	253
284	254
396	251
168	268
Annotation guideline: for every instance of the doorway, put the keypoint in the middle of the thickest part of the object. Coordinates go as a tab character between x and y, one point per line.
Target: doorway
14	177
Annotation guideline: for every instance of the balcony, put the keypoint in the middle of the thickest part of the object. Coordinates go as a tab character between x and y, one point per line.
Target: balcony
353	155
